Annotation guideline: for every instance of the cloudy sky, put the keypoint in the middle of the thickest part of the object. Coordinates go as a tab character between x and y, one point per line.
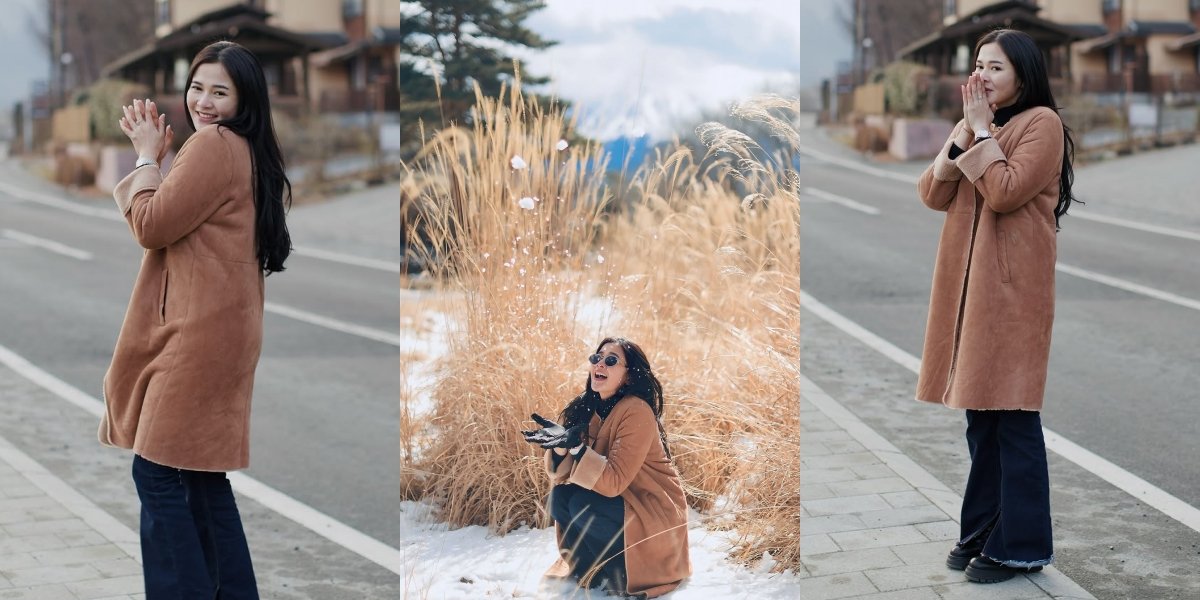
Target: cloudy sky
23	61
639	66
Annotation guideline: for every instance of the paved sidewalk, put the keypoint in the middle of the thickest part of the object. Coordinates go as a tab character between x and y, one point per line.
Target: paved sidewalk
876	525
57	545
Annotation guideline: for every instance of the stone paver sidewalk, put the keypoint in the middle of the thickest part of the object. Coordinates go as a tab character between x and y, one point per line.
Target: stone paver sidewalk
55	544
875	525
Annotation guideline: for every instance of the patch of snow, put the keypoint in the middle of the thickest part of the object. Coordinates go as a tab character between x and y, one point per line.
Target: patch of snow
469	563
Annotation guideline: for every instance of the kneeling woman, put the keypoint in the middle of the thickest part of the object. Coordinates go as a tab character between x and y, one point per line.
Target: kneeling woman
617	502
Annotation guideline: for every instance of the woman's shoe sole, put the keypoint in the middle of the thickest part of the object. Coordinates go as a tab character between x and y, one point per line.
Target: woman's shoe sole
994	576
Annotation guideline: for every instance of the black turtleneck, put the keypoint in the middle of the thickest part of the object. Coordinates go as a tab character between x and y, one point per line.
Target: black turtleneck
1000	119
604	407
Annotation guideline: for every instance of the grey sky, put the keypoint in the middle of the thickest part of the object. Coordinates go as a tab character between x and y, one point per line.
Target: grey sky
823	41
23	60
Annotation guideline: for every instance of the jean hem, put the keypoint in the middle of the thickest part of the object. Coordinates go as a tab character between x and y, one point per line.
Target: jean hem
1023	564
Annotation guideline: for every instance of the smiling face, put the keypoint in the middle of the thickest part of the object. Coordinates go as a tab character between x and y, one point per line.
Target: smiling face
999	77
607	380
212	96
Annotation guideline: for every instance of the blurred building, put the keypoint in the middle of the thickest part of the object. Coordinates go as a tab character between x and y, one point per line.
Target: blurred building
329	56
1091	46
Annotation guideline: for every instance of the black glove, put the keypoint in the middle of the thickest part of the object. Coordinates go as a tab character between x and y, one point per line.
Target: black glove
568	439
550	430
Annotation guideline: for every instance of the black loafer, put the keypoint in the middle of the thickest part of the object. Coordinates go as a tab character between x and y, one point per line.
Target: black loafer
961	555
982	569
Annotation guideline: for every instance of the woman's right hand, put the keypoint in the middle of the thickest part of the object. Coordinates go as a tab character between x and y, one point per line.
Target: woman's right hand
147	130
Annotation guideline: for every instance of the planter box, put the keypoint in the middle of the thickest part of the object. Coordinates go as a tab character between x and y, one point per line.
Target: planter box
915	139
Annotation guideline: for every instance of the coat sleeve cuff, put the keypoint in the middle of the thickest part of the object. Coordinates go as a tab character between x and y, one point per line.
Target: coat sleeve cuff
588	469
558	474
136	182
974	162
945	169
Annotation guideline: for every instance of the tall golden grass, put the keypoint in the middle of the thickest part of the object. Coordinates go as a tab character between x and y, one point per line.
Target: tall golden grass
698	263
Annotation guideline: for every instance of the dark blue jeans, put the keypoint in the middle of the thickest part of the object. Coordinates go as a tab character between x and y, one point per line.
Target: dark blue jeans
593	529
193	546
1008	490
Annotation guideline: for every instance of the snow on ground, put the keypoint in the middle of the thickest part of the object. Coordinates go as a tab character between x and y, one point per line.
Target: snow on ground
471	564
425	342
468	563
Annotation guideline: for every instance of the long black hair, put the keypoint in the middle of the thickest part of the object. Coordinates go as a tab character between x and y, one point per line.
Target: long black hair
253	122
639	382
1030	68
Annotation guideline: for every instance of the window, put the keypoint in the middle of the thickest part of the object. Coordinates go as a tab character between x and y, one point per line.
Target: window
1112	5
949	8
351	8
1194	5
162	12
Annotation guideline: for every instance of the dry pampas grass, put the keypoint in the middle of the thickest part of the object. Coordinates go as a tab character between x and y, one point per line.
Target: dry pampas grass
698	262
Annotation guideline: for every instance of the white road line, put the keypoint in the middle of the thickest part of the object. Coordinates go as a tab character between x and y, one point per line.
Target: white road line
851	164
111	214
349	259
844	201
369	333
45	244
1129	286
308	517
1131	484
103	523
1119	222
1116	221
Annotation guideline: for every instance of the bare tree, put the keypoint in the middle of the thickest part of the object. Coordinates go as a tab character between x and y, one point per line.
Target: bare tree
888	24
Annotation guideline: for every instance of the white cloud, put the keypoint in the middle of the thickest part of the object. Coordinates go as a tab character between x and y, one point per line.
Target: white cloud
636	66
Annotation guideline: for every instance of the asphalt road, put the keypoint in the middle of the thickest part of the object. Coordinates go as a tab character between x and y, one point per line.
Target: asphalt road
1123	382
325	424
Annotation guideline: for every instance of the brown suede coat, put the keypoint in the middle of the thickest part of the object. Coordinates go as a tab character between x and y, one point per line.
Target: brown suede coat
626	458
178	389
987	342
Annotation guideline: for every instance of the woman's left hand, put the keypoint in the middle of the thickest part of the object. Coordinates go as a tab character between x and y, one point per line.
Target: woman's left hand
148	130
549	430
976	110
568	439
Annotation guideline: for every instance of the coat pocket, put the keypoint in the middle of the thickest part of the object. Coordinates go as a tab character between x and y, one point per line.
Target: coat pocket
1002	255
162	300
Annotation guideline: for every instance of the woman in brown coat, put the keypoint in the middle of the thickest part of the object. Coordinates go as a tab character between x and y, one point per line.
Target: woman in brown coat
1004	180
178	390
618	505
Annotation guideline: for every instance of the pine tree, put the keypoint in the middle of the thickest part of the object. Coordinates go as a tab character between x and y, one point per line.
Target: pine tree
463	42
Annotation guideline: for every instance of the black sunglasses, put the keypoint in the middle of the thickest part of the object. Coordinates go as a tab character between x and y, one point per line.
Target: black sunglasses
609	361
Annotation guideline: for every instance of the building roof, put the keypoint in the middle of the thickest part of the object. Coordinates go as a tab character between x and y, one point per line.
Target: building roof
1016	14
328	39
379	36
234	23
386	35
1099	43
1152	27
1087	30
1140	29
1187	41
234	10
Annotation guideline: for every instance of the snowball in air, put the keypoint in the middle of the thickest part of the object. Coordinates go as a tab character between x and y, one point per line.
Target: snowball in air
518	162
526	203
561	145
